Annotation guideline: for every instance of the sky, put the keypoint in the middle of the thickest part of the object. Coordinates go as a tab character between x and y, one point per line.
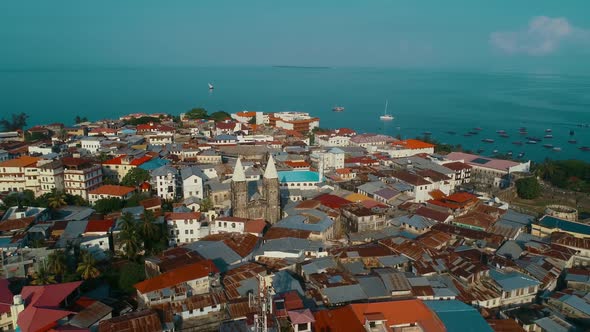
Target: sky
544	35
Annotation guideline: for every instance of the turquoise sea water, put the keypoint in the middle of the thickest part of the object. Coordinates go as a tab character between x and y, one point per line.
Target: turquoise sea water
420	100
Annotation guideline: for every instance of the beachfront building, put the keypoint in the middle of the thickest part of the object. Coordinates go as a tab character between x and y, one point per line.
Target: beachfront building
298	121
407	148
490	171
81	176
368	140
247	116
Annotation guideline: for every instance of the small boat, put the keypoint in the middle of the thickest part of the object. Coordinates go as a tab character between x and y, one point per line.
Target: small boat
451	132
530	138
473	132
211	87
548	130
557	149
522	128
478	128
517	143
520	155
548	146
548	136
504	135
572	132
495	151
509	153
338	109
487	140
467	135
501	131
385	116
572	141
531	142
585	148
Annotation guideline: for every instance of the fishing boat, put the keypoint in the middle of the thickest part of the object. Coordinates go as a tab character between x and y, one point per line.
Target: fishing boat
504	135
338	109
517	143
548	136
585	148
572	141
385	116
520	155
478	128
548	130
531	142
211	87
509	153
557	149
530	138
548	146
473	132
495	151
467	135
522	129
501	131
487	140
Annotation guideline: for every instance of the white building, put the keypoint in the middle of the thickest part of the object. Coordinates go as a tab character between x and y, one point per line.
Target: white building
192	178
3	155
298	121
165	182
228	224
110	191
185	227
329	140
332	159
420	187
81	176
51	176
91	144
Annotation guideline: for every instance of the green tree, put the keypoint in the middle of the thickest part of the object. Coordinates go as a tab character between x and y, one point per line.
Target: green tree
108	205
196	113
42	277
528	188
206	204
252	120
142	120
130	274
23	198
56	199
79	119
18	121
57	263
87	266
147	228
135	177
35	136
131	243
219	116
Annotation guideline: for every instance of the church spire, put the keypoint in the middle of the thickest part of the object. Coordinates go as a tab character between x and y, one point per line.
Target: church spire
239	174
271	170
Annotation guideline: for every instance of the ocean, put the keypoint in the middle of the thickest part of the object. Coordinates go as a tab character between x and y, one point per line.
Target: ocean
420	100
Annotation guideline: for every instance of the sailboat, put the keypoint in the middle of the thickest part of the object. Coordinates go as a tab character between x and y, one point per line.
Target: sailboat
385	116
211	87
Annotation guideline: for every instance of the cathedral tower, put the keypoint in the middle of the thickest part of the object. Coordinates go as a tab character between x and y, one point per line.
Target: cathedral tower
272	191
239	191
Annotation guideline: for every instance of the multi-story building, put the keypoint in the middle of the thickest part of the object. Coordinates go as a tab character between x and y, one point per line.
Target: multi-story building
19	174
81	176
330	160
118	167
51	176
184	227
490	171
165	182
298	121
91	144
192	178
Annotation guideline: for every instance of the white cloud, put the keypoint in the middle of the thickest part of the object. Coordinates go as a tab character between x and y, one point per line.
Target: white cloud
543	36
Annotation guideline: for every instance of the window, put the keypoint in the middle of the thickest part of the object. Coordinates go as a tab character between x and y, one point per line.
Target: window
531	289
202	309
303	326
233	225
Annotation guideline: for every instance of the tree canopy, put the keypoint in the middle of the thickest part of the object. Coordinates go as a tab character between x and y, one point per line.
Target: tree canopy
566	174
142	120
201	113
135	177
528	188
79	119
108	205
18	121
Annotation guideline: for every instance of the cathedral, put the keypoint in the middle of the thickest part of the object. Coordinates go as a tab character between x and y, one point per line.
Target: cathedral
256	199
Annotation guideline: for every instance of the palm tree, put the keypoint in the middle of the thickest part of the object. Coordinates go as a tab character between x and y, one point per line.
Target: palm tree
42	277
56	200
127	222
87	266
148	229
130	243
57	263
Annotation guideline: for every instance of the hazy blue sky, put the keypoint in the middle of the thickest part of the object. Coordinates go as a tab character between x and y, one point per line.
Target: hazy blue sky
500	34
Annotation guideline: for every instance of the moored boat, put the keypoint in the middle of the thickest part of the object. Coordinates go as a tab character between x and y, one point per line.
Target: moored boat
487	140
338	109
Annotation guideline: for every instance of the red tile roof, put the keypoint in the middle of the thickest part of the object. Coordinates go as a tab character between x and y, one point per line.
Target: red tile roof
332	201
24	161
413	144
457	166
99	226
432	214
242	244
140	321
112	190
134	162
177	276
16	224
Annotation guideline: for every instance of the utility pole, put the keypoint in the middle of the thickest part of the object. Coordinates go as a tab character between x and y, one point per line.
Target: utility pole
262	301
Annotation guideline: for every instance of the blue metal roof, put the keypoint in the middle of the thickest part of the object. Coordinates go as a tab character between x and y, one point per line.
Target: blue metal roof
509	281
458	316
153	164
565	225
299	176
